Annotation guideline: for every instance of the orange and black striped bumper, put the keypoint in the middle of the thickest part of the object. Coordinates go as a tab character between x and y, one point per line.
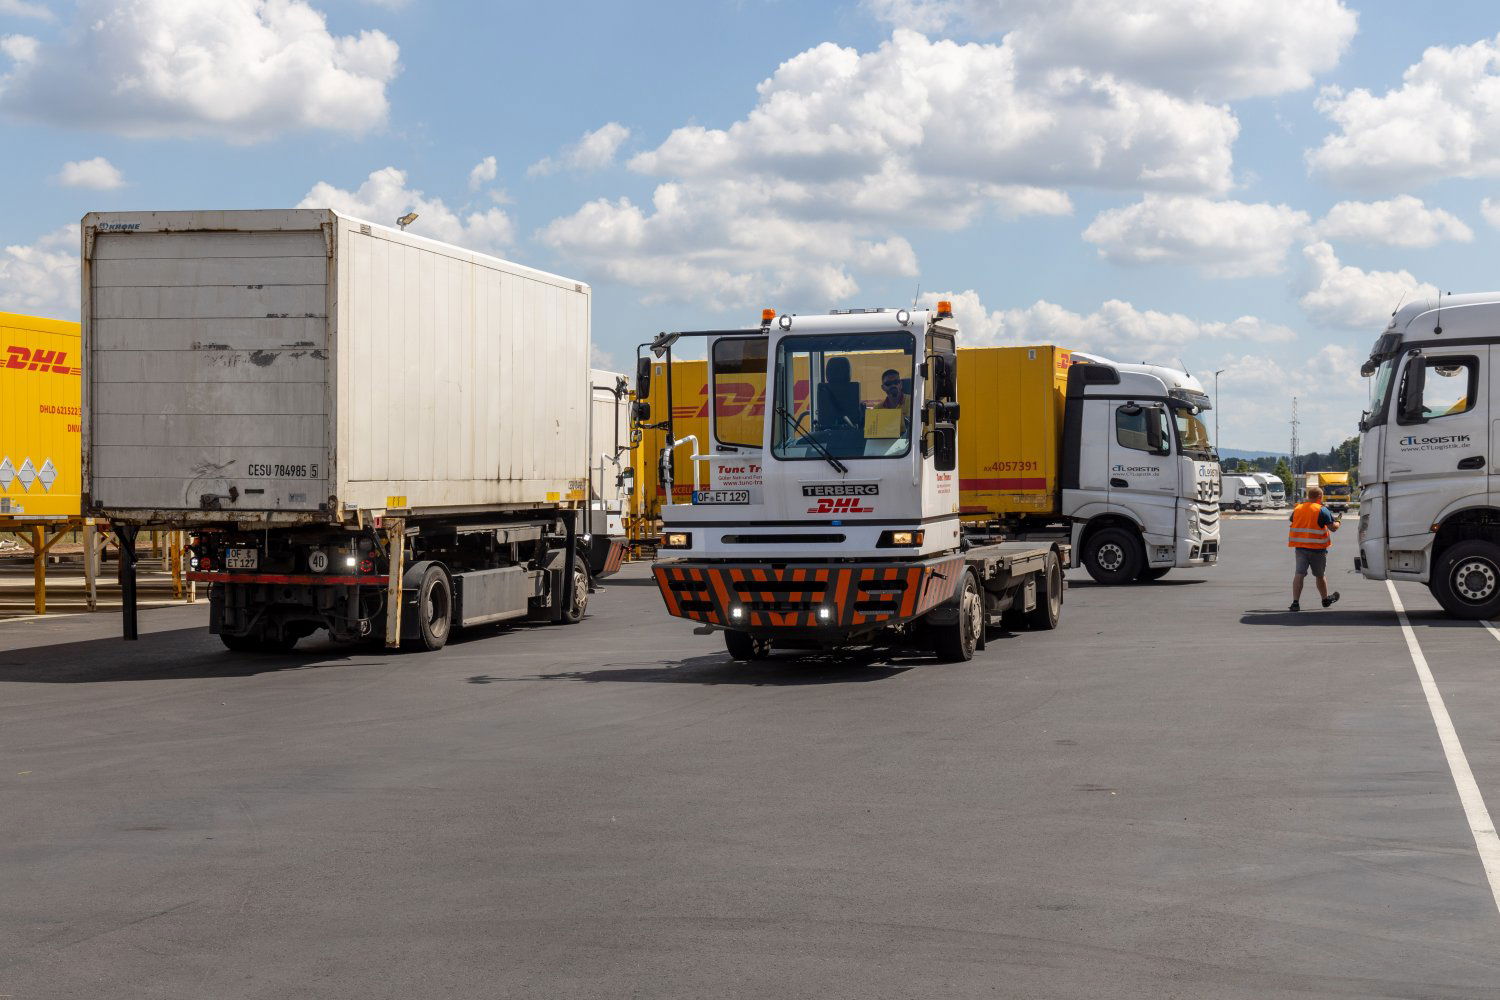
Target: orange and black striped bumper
792	597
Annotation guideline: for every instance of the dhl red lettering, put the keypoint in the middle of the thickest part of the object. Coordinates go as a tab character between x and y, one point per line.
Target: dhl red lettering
840	505
39	360
732	398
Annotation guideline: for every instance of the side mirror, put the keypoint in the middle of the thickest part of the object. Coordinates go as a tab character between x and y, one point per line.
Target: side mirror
640	411
945	449
642	378
944	384
1412	388
1153	430
944	413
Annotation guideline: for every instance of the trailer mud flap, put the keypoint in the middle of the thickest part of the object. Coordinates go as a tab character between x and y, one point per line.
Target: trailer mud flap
757	597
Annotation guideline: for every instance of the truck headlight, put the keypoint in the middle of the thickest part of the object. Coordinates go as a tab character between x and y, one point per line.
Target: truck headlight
902	539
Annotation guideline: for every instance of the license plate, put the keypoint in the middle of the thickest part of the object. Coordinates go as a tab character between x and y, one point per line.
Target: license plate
721	496
241	558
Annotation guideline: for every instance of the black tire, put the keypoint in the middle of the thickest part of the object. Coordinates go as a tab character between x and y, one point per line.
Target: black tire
257	642
745	647
434	611
1113	556
956	642
1466	580
573	614
1148	573
239	643
1049	597
1238	505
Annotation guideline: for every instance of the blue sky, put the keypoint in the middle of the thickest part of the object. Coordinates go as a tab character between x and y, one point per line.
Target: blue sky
1247	185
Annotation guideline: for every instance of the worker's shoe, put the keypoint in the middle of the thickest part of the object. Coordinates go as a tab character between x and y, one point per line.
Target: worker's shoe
1331	599
1295	606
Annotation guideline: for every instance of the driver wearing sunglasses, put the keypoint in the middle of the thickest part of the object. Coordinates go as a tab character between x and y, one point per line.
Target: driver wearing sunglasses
894	399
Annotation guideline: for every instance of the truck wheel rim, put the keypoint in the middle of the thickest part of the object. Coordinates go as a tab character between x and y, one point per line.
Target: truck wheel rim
971	612
1474	580
437	611
580	591
1111	557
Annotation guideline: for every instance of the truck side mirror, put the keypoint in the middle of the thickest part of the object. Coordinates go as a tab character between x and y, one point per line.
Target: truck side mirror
642	378
640	412
943	383
1413	386
943	413
945	449
1154	437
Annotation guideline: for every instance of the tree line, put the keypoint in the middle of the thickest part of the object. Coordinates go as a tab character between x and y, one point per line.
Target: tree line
1343	457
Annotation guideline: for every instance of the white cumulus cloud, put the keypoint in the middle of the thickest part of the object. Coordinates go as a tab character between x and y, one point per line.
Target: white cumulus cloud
593	151
843	149
1490	209
22	8
97	174
239	70
1219	49
384	197
1117	329
1345	296
1221	238
1443	121
483	173
41	278
1403	221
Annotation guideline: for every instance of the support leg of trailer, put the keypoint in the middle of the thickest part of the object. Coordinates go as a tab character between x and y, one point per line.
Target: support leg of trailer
90	536
126	534
395	540
38	570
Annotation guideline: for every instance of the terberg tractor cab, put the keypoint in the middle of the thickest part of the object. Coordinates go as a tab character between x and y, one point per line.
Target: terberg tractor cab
832	517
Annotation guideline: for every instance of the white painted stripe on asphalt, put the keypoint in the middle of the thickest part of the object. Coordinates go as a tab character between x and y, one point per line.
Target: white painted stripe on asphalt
1493	630
1480	824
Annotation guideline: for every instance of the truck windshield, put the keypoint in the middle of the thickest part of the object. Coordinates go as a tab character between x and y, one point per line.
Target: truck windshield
843	396
1192	436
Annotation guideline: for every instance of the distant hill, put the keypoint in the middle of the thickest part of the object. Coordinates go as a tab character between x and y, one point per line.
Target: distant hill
1250	455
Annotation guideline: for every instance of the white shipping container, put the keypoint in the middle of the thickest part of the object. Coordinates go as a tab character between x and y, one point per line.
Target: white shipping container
294	365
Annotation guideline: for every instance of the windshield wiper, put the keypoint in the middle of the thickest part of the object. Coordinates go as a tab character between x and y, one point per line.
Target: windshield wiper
796	426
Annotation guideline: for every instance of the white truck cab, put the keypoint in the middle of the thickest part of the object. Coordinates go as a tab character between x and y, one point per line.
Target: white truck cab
1429	463
832	517
1140	478
1240	492
1274	487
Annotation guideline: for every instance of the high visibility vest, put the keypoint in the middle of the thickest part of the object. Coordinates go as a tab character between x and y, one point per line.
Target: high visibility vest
1306	532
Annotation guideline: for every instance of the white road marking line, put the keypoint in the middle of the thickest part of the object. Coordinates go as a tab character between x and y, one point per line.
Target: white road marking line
1480	824
1493	630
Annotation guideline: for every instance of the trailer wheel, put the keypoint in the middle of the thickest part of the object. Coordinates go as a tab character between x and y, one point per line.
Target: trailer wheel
1466	579
573	614
745	647
239	643
1049	599
434	611
1113	556
1149	574
955	643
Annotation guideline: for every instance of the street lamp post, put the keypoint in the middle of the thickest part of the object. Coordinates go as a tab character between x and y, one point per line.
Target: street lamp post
1217	442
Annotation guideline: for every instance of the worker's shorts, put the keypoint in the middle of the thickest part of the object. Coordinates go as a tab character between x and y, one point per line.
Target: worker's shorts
1312	559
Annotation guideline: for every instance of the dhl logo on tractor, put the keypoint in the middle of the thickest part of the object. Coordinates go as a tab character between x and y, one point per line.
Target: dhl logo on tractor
840	505
39	360
739	399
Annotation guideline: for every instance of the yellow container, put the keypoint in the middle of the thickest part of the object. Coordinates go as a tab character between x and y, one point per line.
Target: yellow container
1011	403
40	422
690	416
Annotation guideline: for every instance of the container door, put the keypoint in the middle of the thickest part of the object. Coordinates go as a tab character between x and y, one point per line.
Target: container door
209	371
1439	447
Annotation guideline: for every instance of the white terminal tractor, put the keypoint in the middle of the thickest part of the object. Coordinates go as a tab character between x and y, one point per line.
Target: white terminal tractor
832	517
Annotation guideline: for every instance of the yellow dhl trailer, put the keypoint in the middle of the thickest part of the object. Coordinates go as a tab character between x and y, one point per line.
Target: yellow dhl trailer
40	400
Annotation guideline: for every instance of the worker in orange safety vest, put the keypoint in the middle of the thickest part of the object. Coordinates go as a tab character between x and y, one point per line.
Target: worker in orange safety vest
1311	534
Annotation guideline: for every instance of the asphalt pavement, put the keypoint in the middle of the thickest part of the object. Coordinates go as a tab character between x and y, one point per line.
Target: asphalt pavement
1184	791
